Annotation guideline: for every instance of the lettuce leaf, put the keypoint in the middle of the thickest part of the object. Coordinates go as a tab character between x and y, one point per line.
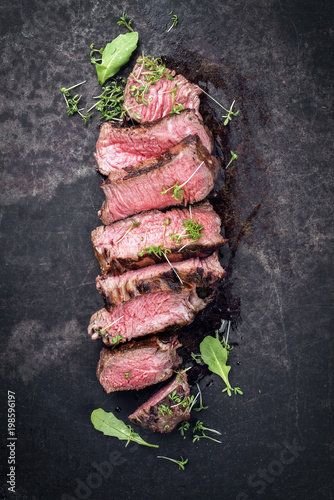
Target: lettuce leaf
111	426
115	55
215	356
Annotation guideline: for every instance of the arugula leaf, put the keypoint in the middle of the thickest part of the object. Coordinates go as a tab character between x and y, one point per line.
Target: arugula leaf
215	356
112	426
115	55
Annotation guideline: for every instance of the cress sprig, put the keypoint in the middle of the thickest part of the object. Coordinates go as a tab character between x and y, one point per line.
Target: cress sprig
181	463
177	190
199	427
123	21
72	102
230	112
175	20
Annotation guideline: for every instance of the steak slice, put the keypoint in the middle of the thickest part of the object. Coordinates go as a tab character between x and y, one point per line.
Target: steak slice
146	314
117	248
120	147
138	364
153	91
165	409
202	273
133	190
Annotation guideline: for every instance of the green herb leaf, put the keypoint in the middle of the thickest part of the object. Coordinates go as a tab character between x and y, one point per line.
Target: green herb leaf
115	55
112	426
175	20
164	410
215	356
184	426
234	156
124	22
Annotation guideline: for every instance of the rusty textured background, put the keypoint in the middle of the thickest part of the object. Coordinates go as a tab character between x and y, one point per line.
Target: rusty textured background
274	58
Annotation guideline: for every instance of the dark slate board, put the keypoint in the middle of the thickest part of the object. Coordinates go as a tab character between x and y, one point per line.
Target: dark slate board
274	58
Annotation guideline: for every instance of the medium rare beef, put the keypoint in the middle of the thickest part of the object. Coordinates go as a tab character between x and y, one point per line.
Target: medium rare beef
120	147
165	409
146	186
138	364
146	314
117	246
153	91
202	273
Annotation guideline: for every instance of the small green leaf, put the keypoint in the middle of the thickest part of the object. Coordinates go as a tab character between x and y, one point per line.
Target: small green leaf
112	426
215	356
115	55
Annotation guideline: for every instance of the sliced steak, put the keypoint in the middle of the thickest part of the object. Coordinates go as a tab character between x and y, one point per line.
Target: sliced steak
133	190
153	91
202	273
117	246
120	147
138	364
146	314
165	409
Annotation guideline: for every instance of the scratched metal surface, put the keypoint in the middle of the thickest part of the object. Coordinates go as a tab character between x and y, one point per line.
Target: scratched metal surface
273	57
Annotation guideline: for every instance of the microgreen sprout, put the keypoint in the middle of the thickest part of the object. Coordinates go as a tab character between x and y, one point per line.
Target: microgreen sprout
231	390
124	22
230	112
134	224
184	426
199	427
150	71
166	223
164	410
196	357
128	374
200	407
175	20
173	268
177	190
233	157
192	230
156	250
181	463
102	333
93	59
72	103
110	102
176	109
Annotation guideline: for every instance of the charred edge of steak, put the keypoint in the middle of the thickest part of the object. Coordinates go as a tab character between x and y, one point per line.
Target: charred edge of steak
148	125
160	161
119	265
142	343
153	414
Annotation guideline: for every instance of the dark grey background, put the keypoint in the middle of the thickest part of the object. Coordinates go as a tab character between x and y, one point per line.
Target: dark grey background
274	57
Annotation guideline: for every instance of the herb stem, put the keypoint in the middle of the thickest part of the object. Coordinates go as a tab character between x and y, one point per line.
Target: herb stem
215	100
181	463
76	85
228	332
192	175
99	332
173	268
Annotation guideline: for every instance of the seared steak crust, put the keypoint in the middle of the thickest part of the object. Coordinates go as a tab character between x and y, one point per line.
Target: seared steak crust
117	248
202	273
120	147
154	415
138	364
136	189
